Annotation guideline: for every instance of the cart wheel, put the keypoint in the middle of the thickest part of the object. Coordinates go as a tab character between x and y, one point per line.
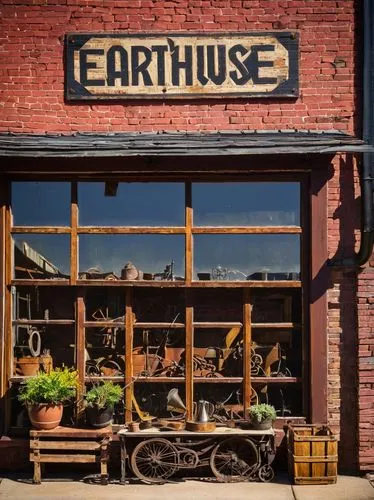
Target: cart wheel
234	459
154	460
266	473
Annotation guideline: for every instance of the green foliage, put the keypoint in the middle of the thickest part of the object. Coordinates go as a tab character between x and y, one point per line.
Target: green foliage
104	395
261	412
57	386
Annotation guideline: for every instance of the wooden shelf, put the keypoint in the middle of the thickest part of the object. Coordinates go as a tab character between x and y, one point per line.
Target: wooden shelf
19	378
197	380
217	324
161	380
46	282
276	380
99	378
158	325
280	325
158	284
43	322
197	324
121	324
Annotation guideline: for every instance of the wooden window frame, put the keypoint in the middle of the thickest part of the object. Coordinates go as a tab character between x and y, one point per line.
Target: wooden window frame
314	236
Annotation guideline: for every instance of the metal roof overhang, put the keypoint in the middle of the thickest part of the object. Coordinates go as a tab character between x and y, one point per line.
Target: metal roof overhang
87	145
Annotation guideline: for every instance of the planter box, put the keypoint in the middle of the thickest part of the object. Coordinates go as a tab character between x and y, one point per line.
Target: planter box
312	454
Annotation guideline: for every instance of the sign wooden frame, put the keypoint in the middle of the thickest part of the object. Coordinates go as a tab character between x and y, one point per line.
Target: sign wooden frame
101	66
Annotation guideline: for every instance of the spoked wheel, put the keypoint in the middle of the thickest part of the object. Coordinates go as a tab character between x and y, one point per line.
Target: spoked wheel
234	459
154	460
266	473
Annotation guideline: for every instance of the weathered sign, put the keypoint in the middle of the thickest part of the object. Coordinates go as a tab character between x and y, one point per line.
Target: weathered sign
181	65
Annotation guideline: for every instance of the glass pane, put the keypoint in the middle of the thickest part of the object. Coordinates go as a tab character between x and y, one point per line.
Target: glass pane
246	204
218	304
105	345
160	305
247	257
276	305
136	256
43	328
41	256
41	203
131	204
43	303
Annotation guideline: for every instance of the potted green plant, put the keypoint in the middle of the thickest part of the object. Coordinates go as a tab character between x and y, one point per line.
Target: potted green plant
45	394
100	401
262	416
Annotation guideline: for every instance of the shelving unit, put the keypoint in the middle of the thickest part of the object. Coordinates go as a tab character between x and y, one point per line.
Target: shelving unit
148	317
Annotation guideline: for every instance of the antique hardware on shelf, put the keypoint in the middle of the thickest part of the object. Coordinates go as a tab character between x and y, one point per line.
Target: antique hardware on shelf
204	411
174	402
130	272
167	274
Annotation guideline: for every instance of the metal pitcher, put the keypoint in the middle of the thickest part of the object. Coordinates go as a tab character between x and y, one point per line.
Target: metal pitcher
204	411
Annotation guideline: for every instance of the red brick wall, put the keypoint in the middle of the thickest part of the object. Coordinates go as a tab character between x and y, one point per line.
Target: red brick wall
32	71
366	366
343	235
31	86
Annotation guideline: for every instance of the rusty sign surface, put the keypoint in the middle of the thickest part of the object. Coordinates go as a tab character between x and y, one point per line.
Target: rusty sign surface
181	65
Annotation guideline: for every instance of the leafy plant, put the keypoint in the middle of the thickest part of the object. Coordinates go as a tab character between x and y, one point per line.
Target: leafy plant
57	386
261	412
104	395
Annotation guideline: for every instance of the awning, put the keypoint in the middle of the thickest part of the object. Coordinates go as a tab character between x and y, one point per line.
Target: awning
86	145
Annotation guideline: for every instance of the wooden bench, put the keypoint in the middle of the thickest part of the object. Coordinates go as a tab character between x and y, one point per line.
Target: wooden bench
70	445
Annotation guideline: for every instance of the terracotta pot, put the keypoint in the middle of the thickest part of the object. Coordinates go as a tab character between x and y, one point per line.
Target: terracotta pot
133	426
45	415
27	366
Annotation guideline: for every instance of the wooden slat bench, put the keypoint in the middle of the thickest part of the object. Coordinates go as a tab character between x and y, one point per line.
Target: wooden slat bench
70	445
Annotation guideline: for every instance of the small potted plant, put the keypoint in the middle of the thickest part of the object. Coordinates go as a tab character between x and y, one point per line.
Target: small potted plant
100	401
45	394
262	416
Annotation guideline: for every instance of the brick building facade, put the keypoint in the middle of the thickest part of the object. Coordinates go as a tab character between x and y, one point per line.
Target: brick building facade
32	74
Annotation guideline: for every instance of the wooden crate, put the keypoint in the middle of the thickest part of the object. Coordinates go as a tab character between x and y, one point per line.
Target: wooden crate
312	454
70	445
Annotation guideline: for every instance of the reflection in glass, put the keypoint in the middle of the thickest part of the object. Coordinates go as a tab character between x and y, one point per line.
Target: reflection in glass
134	204
246	204
246	257
41	203
41	256
136	256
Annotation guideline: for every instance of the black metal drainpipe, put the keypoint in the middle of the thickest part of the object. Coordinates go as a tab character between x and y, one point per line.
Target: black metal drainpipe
366	170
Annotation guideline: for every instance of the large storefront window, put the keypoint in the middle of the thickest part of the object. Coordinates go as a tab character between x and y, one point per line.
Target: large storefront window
180	291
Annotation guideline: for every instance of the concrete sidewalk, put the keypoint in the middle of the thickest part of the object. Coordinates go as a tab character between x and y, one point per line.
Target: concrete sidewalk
347	488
